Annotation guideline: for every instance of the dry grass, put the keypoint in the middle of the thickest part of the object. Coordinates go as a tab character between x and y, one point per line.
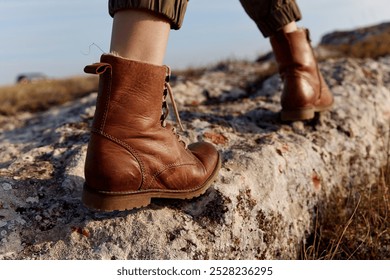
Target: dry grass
190	73
41	95
353	227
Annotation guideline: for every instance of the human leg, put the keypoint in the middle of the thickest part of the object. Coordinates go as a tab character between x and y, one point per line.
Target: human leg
304	89
141	27
140	35
133	154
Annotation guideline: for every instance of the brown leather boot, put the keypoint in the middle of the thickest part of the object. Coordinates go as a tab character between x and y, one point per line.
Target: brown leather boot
133	155
304	89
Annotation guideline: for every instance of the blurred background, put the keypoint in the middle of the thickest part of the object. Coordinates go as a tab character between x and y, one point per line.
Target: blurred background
58	38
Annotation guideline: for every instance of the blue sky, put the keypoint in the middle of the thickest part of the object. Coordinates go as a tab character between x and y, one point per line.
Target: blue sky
54	37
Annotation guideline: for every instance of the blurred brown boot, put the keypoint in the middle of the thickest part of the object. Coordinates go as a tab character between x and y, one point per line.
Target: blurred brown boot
304	89
133	155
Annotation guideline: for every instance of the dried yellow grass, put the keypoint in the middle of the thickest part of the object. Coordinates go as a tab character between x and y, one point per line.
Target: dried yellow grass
353	227
41	95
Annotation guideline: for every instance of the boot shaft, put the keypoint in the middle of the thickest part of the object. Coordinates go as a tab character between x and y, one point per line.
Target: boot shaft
128	95
293	52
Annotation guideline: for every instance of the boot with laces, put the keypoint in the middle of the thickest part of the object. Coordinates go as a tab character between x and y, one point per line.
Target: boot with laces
134	155
304	89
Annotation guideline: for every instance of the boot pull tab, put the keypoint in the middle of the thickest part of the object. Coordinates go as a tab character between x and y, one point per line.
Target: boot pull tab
308	35
97	68
168	74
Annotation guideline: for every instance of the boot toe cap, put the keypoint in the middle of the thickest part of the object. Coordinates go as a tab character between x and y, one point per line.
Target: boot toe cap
207	154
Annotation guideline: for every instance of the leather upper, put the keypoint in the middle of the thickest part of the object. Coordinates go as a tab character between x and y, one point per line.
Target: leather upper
303	84
129	149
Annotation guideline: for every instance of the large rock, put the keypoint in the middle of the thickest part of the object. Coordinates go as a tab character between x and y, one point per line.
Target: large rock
372	41
274	174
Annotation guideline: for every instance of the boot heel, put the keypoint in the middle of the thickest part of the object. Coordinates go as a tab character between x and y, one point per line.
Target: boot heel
297	115
110	202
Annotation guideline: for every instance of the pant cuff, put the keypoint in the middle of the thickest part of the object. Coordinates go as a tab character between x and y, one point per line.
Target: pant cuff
278	18
172	10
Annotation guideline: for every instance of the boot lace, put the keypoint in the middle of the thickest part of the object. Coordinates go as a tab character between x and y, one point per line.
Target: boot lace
165	108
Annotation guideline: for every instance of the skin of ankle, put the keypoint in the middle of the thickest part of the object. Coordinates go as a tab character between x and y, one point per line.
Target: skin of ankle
140	36
290	27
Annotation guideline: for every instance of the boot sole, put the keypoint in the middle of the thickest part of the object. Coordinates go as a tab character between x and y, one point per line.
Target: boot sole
302	114
119	202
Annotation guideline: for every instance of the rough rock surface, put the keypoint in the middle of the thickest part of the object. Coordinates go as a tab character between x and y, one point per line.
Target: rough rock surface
262	205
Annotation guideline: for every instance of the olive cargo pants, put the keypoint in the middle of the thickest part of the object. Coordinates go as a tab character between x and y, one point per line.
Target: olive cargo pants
269	15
